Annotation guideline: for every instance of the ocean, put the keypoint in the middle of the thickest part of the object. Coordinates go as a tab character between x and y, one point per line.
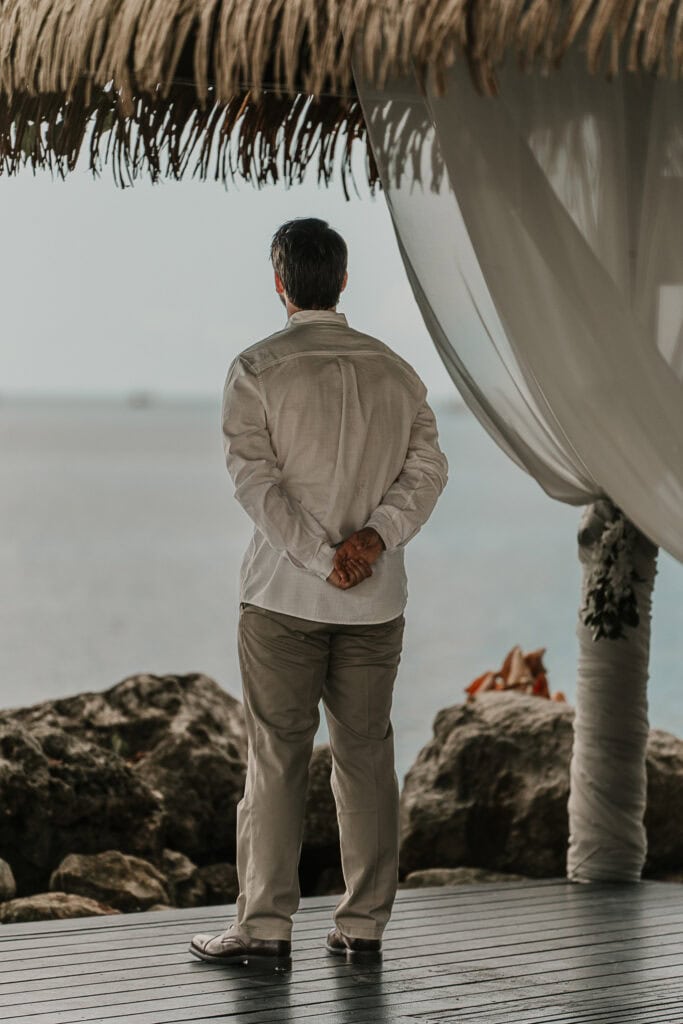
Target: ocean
121	543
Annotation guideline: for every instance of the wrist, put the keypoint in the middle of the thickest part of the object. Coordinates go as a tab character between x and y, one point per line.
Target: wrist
379	537
380	523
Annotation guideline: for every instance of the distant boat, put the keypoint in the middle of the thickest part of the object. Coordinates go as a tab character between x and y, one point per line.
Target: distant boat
140	399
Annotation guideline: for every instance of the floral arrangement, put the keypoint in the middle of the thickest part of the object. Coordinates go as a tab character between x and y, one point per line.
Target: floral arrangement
525	673
610	603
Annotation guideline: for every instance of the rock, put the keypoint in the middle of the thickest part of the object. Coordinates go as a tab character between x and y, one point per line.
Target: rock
183	881
321	830
330	882
490	790
118	879
664	792
177	868
221	883
199	765
320	849
8	887
61	792
456	876
160	906
45	906
153	762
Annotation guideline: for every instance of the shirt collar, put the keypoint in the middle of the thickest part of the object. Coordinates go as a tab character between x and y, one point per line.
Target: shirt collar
304	316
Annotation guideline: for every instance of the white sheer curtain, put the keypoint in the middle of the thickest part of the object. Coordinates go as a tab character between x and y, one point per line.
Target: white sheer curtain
541	234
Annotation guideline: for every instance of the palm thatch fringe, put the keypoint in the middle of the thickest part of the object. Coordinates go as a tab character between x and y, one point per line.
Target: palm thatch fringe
233	79
269	140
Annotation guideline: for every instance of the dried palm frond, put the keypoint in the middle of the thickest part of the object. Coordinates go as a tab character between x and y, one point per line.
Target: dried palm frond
234	79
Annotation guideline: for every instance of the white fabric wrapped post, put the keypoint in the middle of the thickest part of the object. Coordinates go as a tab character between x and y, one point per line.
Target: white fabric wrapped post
608	786
540	231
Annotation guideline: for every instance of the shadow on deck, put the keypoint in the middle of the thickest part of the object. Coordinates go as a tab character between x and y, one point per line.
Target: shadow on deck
534	951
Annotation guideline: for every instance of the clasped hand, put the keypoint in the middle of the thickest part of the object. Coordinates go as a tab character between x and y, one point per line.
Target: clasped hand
354	558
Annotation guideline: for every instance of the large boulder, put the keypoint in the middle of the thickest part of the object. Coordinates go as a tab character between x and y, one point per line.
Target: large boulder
663	821
490	790
60	792
46	906
154	762
113	878
220	882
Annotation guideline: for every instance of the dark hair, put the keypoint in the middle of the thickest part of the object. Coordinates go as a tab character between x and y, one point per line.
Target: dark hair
310	258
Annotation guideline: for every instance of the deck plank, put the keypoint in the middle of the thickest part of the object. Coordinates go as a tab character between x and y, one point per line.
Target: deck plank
542	951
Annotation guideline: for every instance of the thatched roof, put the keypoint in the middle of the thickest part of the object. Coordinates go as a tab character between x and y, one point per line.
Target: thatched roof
261	88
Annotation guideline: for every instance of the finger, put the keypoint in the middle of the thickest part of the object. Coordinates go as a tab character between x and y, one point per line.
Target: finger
360	570
342	556
366	552
340	566
353	575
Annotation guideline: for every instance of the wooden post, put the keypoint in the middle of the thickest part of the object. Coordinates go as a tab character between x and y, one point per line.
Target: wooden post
608	782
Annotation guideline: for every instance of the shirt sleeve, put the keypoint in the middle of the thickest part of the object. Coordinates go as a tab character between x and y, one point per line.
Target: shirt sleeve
410	500
282	519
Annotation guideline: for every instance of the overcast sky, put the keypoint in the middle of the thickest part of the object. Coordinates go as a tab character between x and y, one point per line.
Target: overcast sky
156	287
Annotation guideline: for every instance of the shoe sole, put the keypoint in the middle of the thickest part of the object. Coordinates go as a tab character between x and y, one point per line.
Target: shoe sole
243	958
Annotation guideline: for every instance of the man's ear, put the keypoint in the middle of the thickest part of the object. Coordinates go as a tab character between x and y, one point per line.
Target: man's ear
346	277
279	287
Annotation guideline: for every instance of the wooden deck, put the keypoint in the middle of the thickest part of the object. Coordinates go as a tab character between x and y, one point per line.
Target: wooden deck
540	951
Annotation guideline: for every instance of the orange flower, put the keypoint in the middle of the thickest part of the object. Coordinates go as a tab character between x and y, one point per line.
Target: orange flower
522	672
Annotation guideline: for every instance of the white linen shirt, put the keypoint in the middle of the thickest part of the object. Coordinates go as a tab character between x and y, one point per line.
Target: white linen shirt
327	430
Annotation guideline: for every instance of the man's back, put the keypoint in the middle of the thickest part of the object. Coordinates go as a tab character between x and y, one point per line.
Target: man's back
334	418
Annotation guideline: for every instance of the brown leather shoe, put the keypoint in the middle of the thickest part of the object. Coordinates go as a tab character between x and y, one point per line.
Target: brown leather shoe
232	947
339	943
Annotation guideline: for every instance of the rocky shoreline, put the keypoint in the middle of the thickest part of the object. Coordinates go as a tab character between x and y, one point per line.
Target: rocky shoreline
125	800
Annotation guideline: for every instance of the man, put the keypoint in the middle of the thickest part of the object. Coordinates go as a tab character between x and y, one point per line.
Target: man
334	454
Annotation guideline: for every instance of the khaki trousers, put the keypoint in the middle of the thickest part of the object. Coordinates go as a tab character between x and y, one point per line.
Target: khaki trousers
288	665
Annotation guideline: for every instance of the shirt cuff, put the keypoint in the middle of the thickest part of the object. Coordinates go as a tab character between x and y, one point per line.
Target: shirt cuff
381	522
323	563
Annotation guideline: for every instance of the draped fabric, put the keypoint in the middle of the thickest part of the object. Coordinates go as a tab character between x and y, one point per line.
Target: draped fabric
541	233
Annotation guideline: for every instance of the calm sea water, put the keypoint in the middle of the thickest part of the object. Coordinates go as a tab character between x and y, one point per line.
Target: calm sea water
121	542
